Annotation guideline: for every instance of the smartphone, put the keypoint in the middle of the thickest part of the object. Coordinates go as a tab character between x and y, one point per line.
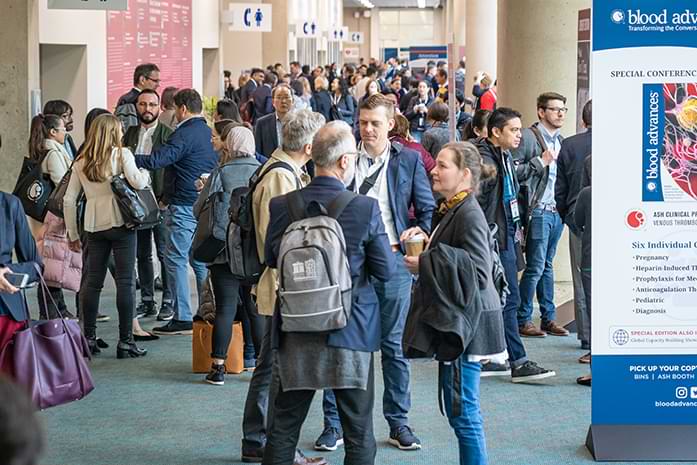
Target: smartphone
18	280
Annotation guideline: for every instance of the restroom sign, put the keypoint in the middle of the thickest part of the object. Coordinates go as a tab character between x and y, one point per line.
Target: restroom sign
248	17
355	38
308	28
337	34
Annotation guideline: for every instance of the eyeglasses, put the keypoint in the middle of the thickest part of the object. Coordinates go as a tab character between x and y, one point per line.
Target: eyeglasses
557	110
284	99
156	81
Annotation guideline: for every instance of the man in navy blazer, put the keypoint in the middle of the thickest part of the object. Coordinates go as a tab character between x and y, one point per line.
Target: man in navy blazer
15	236
572	155
190	154
342	359
267	130
396	178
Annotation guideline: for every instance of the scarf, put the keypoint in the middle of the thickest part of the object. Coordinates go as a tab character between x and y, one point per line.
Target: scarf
241	139
448	205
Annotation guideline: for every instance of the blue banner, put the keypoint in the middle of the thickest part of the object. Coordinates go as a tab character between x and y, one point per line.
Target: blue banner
654	114
644	389
644	23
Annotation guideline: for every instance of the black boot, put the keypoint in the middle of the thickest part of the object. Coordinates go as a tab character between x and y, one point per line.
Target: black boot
93	345
129	350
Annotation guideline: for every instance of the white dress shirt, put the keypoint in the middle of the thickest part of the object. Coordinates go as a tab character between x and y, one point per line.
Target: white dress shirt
145	140
365	168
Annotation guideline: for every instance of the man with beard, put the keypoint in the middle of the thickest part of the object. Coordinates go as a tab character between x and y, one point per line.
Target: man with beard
535	160
144	139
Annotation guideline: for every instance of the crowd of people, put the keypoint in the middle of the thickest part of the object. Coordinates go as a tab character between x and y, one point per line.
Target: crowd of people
419	218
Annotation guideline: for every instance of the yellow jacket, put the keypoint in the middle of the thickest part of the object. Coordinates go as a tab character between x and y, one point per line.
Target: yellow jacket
277	182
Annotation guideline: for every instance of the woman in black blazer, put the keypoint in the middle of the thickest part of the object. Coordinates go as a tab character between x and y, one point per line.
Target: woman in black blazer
459	222
321	100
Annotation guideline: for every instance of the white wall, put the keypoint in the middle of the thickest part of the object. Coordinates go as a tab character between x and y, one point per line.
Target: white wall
205	32
78	27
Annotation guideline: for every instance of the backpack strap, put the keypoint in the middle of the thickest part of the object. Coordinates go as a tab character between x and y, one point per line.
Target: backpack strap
369	182
538	135
341	201
274	165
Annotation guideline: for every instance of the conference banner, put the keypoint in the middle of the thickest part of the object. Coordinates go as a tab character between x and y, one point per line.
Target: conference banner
644	292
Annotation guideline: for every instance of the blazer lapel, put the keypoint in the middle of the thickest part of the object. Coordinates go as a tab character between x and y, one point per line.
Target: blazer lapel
392	180
442	226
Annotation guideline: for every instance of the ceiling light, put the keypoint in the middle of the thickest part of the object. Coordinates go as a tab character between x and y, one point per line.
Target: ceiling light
421	3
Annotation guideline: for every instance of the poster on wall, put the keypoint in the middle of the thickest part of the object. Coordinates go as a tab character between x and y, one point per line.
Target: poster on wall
149	32
644	327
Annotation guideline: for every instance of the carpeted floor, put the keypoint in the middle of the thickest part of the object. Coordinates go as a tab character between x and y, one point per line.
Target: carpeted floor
154	411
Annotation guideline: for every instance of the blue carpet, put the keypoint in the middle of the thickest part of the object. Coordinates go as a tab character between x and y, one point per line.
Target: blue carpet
153	411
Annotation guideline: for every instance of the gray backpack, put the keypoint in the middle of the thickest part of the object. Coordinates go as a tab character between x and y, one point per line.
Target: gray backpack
314	288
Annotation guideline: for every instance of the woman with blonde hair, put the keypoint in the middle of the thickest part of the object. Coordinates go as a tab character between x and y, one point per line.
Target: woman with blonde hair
236	150
321	100
102	158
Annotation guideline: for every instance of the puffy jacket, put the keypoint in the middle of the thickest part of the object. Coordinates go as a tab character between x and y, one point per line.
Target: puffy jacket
62	267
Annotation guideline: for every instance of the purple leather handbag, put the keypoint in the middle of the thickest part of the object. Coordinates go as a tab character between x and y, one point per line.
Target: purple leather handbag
48	359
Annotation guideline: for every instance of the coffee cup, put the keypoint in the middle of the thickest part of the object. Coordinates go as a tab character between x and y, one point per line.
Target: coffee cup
415	245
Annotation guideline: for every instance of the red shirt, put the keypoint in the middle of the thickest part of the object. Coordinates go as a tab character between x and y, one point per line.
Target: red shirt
488	100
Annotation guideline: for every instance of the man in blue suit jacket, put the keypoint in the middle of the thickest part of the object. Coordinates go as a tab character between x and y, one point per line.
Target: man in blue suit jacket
190	153
397	179
268	135
15	236
343	359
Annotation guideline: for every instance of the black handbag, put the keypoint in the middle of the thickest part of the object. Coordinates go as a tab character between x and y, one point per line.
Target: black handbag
205	247
33	189
138	207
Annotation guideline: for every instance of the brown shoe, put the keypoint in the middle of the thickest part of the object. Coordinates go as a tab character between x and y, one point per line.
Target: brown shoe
586	359
301	459
530	330
553	329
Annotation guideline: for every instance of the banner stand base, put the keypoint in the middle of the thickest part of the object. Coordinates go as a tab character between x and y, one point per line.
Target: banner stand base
642	443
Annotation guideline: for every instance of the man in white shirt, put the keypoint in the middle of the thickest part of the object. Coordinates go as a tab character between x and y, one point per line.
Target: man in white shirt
143	139
396	177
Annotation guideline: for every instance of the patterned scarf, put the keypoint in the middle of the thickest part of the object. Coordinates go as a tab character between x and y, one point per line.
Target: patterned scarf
447	205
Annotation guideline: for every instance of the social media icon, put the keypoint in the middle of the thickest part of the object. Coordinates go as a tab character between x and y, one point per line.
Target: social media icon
681	392
693	392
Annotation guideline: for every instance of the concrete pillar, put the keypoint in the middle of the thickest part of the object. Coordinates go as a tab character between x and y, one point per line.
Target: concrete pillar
537	43
275	43
537	53
19	74
480	29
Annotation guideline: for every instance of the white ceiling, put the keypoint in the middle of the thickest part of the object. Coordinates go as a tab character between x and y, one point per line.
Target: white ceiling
393	3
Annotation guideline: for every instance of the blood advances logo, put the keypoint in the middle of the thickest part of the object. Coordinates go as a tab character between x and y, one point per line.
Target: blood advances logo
617	16
635	219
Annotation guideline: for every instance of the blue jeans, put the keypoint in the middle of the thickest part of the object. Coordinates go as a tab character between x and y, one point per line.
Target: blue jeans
182	224
516	350
544	232
394	297
460	383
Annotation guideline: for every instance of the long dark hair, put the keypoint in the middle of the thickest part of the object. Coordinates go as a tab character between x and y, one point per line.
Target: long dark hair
41	126
479	121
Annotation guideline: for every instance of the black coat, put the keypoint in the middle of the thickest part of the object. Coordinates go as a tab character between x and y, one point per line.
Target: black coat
322	103
573	153
417	120
456	308
262	101
491	192
247	91
265	135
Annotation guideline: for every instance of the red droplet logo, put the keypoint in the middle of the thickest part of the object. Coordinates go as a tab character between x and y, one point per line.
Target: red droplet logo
636	219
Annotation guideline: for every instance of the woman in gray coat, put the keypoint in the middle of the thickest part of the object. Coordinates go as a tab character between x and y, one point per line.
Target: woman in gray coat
235	144
459	222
